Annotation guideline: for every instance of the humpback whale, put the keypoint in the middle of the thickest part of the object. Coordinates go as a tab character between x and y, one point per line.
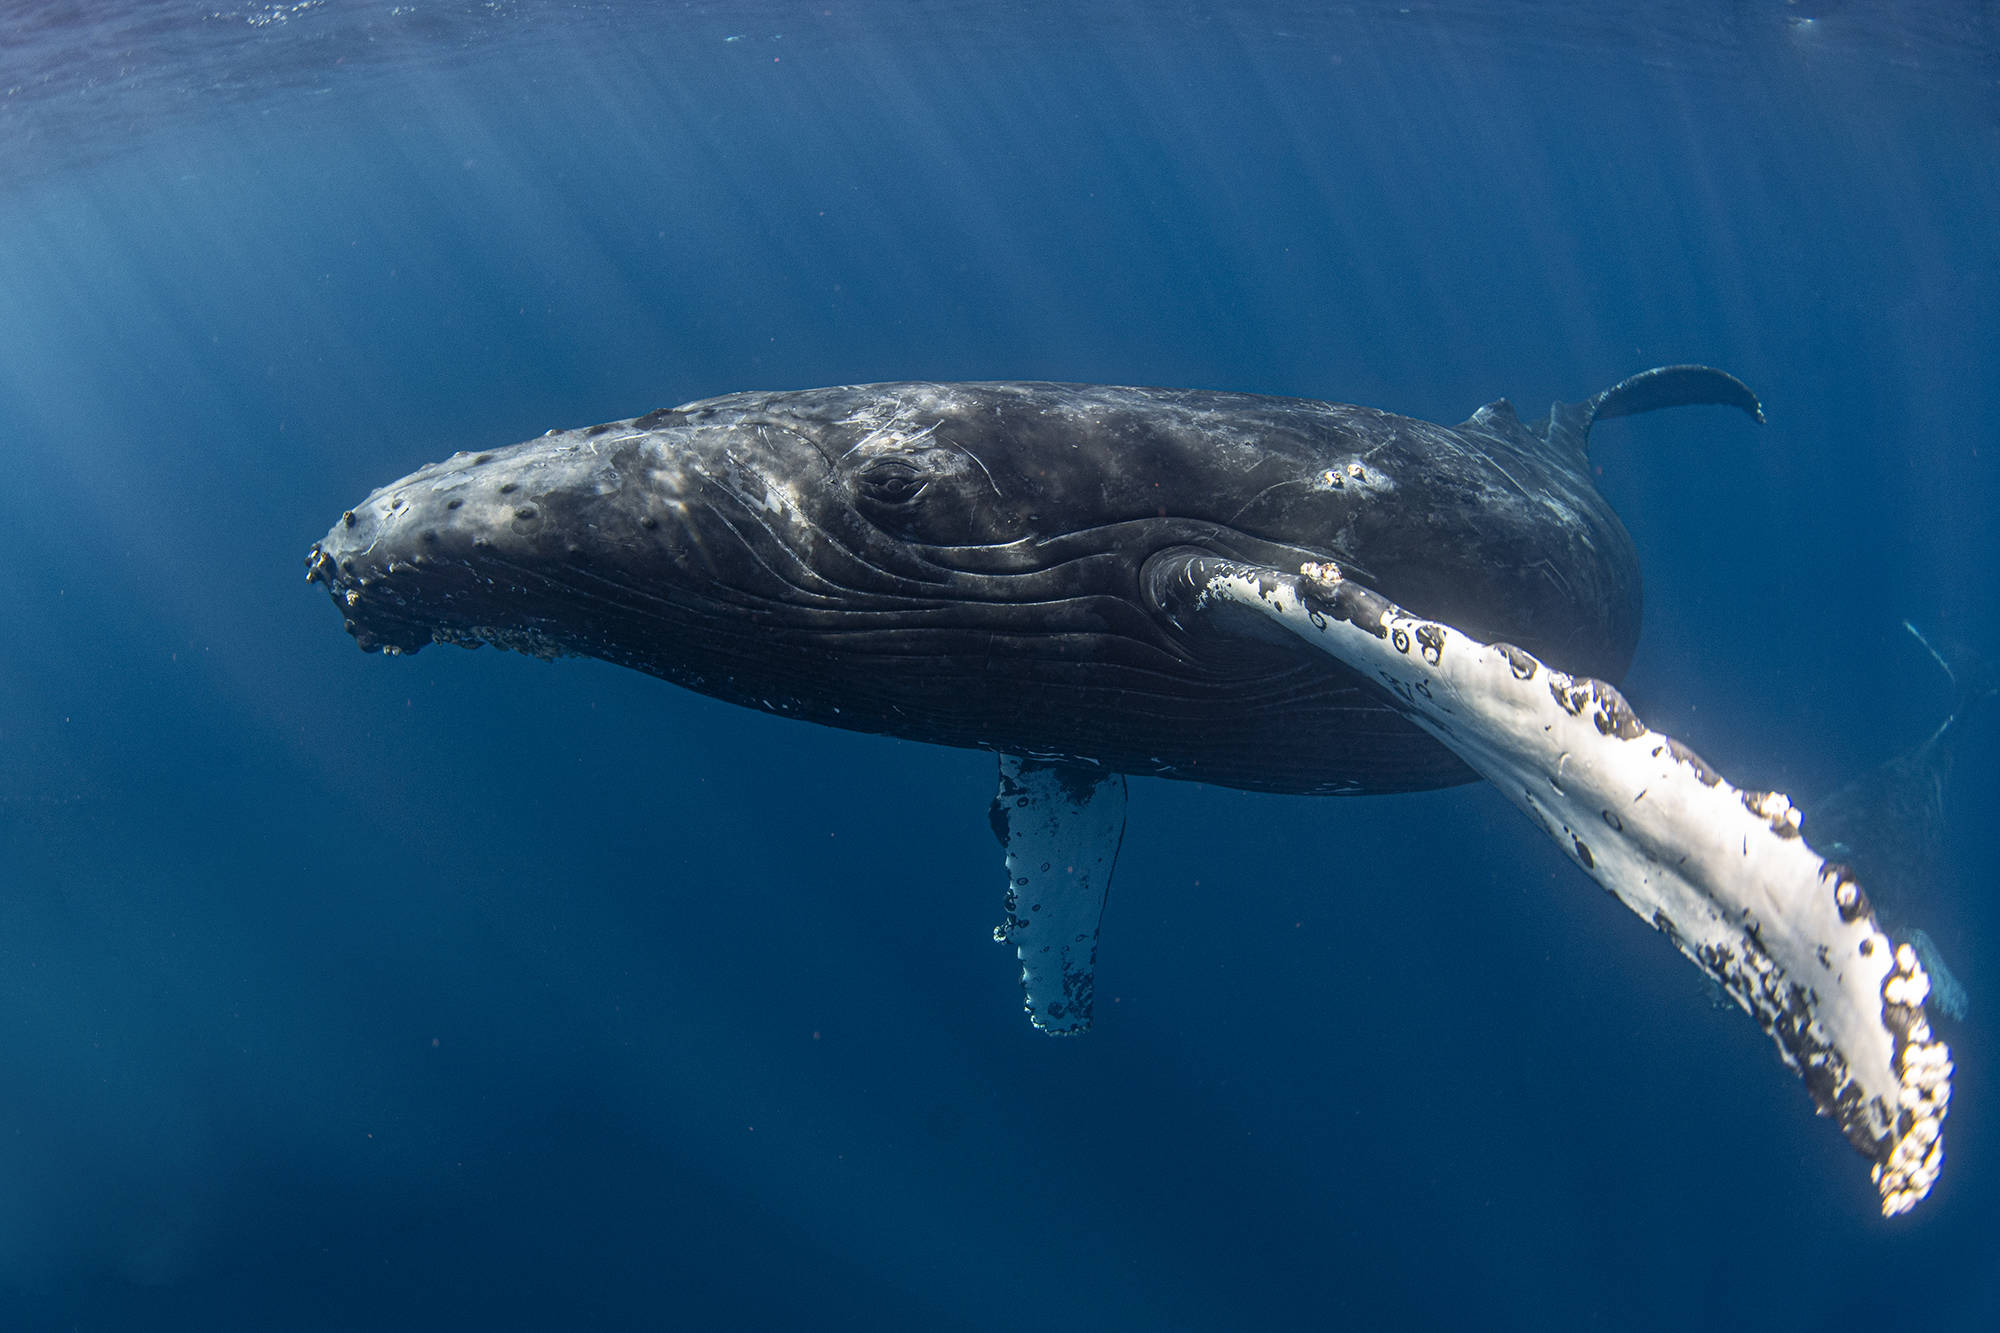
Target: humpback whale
1094	581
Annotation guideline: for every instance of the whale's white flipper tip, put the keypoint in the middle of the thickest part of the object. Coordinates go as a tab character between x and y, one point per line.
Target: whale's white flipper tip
1061	824
1723	873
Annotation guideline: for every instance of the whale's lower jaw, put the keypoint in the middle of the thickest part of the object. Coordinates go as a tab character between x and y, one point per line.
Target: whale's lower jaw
1094	676
1265	722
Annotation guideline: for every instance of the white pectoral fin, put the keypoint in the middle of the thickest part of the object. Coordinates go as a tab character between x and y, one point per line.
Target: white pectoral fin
1723	873
1061	824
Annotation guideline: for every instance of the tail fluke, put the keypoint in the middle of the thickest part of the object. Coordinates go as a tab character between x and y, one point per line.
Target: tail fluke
1569	424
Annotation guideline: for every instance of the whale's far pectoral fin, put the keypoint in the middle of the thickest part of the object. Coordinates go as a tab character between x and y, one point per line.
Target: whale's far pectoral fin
1947	991
1061	824
1723	873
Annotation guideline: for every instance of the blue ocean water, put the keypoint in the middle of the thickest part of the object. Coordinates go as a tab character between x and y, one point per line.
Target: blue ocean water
467	991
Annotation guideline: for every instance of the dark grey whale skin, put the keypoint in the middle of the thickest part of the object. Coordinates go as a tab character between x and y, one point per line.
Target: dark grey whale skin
966	564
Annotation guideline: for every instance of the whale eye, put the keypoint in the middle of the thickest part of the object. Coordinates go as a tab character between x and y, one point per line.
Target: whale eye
892	481
932	493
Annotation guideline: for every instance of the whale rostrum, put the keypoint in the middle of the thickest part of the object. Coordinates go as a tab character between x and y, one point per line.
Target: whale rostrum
1096	581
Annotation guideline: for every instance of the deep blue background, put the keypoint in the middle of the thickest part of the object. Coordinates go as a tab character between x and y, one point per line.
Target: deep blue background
464	990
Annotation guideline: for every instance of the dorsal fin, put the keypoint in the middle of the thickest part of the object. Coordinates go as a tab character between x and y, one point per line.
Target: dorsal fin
1568	426
1498	418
